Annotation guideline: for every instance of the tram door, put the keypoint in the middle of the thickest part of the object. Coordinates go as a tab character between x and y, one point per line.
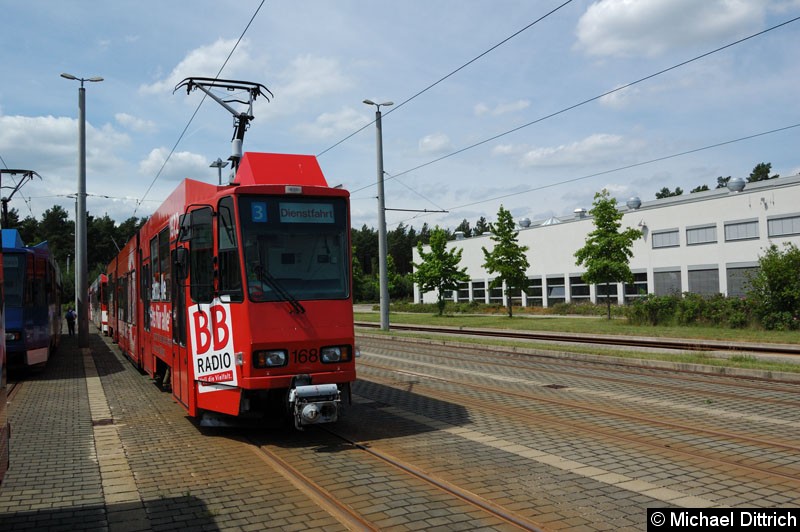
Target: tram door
180	384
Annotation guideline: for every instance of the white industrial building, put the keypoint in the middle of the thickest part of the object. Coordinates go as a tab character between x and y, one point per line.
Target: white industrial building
703	243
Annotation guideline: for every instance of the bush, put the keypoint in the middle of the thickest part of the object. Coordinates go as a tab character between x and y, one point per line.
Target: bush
690	309
775	289
653	310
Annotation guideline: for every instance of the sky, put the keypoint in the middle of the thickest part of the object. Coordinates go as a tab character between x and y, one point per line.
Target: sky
518	119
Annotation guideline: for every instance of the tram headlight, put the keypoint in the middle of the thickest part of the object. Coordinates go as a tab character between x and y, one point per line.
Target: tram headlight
336	353
272	358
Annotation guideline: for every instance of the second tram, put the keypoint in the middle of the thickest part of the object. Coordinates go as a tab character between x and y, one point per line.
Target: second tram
32	285
5	427
98	303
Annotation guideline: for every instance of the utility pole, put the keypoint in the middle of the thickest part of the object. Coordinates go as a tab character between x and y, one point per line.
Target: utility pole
81	251
382	243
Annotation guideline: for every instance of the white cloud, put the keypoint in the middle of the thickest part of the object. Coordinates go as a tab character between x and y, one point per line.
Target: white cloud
135	124
620	98
501	109
205	62
650	27
308	78
593	150
328	125
182	164
437	143
52	143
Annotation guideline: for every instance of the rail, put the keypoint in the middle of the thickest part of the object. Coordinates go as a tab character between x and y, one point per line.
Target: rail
613	340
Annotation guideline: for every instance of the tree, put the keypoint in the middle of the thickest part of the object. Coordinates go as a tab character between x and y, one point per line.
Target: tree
666	193
59	232
13	219
507	258
464	227
761	173
722	182
365	244
439	268
481	226
700	188
775	289
607	250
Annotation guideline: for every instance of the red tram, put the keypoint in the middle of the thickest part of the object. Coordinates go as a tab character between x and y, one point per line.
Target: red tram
238	297
98	303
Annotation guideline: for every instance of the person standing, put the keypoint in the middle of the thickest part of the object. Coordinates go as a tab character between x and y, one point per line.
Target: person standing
71	321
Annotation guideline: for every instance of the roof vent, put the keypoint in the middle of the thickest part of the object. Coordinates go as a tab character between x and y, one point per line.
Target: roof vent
525	222
736	184
634	202
459	235
580	213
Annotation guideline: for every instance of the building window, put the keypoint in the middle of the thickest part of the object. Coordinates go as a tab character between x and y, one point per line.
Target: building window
705	282
516	297
741	230
667	283
666	239
535	292
739	280
478	291
463	291
638	288
701	235
607	292
578	289
555	290
788	225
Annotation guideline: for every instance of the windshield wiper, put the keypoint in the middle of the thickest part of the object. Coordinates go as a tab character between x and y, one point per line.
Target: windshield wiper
265	277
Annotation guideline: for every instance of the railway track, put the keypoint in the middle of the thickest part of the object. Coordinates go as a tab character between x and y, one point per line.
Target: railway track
350	517
610	340
687	451
508	376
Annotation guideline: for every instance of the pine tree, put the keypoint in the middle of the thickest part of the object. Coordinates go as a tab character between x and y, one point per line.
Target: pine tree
607	250
507	258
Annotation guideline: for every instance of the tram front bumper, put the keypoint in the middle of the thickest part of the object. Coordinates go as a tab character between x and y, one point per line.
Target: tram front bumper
314	404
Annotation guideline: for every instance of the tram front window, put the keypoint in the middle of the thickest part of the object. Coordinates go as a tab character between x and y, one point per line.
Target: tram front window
13	279
295	248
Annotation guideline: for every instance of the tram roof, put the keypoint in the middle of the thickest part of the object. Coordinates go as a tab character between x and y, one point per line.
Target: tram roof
11	239
279	169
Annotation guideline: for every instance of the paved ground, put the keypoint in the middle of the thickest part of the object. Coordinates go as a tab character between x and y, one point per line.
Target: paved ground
70	471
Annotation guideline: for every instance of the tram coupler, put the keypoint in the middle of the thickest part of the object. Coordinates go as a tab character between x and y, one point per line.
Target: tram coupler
313	404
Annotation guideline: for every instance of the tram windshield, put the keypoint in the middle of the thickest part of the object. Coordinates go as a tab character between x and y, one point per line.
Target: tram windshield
13	279
295	248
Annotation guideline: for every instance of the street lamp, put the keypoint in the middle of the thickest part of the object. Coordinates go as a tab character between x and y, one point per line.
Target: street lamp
219	164
382	245
81	254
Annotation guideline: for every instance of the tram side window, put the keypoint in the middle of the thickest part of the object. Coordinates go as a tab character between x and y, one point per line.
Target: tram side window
230	278
163	257
155	285
147	282
123	299
29	282
40	296
201	257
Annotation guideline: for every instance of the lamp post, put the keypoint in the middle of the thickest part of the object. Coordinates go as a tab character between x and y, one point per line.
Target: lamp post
81	253
219	164
382	244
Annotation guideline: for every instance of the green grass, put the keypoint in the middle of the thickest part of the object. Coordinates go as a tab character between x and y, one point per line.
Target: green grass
599	326
586	325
